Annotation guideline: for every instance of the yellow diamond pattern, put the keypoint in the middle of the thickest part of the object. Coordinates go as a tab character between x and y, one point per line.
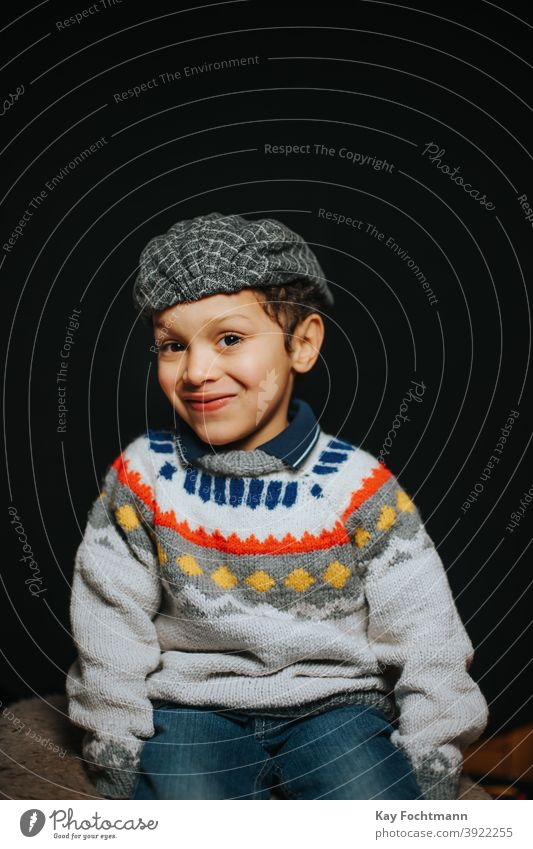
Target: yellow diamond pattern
260	581
224	578
337	574
161	554
299	580
387	518
188	564
403	502
127	517
361	537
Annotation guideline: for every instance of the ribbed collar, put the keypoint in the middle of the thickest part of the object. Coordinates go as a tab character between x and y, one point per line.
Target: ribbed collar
291	446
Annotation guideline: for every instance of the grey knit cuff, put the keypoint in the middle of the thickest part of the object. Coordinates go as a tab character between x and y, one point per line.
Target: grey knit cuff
111	766
113	783
437	779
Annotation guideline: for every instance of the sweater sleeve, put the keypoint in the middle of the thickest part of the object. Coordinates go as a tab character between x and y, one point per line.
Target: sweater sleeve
416	633
116	593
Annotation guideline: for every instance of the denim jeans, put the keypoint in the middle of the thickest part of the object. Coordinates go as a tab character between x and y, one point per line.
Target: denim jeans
342	753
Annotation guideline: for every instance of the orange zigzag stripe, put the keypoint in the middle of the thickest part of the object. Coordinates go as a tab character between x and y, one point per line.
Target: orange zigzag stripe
370	485
233	543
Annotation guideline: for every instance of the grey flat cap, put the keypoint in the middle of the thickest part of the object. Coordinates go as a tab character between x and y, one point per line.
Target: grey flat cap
221	254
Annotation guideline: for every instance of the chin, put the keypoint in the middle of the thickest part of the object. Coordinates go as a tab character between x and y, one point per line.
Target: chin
210	435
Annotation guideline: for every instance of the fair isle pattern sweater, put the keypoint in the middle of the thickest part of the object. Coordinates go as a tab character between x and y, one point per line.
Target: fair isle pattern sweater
243	582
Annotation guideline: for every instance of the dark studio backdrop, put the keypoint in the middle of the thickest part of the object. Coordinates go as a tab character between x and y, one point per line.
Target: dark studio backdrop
352	124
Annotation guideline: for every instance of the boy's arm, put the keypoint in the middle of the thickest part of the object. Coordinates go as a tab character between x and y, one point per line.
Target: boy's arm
116	593
414	627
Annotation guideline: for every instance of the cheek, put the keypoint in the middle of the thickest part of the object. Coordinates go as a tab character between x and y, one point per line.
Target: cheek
259	361
271	369
248	371
167	374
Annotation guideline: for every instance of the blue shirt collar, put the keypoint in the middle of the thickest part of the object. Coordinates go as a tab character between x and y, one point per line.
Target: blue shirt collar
292	445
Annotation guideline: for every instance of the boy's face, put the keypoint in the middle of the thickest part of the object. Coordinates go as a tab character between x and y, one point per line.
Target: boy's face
226	347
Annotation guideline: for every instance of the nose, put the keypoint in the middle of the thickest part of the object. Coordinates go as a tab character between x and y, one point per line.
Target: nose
200	364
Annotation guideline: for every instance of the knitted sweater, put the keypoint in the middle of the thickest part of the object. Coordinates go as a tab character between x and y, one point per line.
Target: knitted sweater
288	579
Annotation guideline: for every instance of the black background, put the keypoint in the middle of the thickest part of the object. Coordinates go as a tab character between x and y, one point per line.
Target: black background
376	78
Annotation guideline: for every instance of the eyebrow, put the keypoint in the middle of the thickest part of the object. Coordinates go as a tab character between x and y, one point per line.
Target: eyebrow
161	326
234	315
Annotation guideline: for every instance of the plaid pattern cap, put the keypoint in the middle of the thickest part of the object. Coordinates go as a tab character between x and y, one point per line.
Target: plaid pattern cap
221	254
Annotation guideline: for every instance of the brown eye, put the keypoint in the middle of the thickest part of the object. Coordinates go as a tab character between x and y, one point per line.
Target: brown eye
232	336
170	348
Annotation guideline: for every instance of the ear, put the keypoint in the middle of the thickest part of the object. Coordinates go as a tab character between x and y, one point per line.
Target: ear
307	341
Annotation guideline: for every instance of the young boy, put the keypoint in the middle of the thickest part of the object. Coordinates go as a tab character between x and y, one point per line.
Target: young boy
256	603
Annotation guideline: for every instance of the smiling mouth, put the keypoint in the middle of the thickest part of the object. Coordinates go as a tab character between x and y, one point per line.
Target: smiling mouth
214	404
